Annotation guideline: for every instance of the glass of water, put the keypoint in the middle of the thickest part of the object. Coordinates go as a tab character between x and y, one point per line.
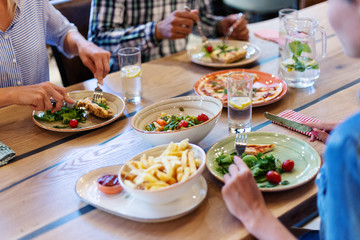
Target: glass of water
284	14
239	91
131	75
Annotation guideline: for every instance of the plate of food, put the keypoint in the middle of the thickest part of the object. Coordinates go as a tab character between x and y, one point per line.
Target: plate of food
83	115
126	206
219	55
267	88
277	161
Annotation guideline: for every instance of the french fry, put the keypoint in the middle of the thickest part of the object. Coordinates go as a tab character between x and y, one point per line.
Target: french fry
179	176
186	174
164	177
184	144
197	162
191	161
153	168
184	159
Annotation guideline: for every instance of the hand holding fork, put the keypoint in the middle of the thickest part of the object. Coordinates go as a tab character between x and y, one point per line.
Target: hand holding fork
98	94
205	41
240	143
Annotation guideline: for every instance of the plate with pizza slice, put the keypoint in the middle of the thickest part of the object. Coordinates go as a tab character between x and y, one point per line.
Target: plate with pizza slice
306	160
267	88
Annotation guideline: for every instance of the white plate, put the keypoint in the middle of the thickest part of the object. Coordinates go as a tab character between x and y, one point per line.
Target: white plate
196	54
116	103
124	205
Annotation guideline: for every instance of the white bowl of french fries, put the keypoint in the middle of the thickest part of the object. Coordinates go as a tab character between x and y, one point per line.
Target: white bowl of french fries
181	106
164	173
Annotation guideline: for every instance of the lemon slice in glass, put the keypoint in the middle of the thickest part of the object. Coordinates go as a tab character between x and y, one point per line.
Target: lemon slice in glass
240	102
132	71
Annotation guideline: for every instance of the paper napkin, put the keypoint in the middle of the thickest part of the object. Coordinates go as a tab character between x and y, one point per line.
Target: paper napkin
6	154
271	35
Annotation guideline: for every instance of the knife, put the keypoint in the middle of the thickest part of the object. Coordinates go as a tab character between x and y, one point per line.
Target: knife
288	123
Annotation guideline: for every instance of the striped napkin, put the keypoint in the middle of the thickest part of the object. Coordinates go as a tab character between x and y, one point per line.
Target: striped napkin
6	154
297	117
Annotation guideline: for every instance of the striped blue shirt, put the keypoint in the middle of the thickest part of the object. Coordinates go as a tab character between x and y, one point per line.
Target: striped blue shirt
116	24
23	54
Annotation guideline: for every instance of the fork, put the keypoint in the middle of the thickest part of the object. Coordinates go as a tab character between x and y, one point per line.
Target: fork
240	143
205	41
98	93
231	29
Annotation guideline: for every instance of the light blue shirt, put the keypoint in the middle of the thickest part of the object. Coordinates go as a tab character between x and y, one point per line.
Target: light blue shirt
339	183
23	54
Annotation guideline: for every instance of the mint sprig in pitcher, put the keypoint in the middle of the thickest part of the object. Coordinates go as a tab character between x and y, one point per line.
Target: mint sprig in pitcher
299	64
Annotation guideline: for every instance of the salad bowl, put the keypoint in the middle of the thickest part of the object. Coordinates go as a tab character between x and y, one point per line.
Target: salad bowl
181	106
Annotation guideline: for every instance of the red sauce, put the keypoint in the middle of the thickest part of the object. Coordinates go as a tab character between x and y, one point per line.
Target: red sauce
108	180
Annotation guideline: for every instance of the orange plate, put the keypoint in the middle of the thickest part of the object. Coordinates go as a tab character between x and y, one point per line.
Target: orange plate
265	79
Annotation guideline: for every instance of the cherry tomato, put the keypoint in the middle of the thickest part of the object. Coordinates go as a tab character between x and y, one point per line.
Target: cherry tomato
273	177
202	118
209	49
73	123
183	123
288	165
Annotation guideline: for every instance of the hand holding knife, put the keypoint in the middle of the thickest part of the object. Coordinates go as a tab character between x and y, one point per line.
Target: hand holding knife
314	134
288	123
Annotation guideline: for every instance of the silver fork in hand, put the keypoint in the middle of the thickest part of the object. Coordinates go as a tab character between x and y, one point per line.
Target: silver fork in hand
231	29
240	143
98	93
205	41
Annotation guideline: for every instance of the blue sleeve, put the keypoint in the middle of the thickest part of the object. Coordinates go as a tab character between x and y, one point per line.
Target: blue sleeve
341	207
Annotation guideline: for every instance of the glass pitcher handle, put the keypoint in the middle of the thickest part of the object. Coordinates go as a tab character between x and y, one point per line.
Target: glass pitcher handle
323	40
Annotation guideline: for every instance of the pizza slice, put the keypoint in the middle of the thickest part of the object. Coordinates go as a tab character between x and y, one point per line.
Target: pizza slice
254	149
264	94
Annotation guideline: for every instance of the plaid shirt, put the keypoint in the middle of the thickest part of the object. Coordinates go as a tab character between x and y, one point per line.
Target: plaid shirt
116	24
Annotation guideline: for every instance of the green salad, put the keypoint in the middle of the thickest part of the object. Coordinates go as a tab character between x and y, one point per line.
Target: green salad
263	167
64	115
167	122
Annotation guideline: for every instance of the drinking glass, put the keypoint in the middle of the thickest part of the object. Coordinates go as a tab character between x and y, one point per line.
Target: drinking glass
130	71
284	14
239	91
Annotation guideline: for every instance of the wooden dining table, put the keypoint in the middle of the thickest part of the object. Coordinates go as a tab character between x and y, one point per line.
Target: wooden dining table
37	189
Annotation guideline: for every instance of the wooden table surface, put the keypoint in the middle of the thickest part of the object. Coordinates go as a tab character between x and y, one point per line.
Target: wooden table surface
37	193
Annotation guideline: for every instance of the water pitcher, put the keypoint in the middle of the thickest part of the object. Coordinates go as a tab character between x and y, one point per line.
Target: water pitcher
299	64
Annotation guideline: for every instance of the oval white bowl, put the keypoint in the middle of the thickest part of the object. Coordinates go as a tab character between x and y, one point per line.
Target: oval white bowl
192	105
172	192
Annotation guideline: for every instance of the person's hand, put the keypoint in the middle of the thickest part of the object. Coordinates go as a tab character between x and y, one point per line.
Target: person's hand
321	130
38	96
241	193
240	30
245	201
95	58
177	25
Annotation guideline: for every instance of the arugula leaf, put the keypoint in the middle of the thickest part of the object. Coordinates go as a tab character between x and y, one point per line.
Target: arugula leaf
65	114
103	105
